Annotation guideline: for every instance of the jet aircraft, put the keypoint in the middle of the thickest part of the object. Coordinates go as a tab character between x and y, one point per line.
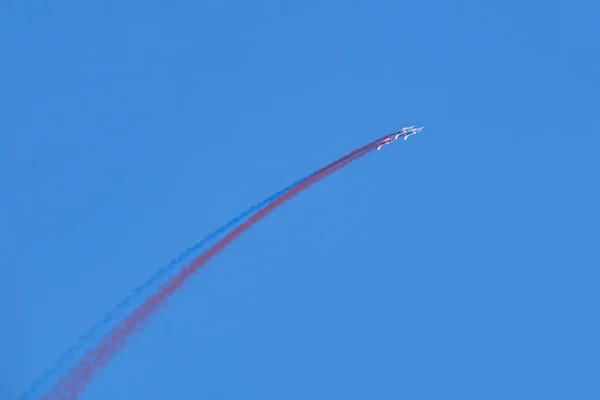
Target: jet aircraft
404	132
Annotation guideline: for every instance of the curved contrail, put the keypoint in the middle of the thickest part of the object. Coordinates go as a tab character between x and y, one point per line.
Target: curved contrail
94	331
94	360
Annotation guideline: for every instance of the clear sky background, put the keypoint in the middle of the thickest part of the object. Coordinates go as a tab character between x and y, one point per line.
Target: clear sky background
460	264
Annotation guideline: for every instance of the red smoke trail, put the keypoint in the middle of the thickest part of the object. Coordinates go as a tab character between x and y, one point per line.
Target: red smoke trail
82	374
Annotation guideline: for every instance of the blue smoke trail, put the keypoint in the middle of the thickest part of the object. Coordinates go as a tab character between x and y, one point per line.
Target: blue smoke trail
87	337
110	315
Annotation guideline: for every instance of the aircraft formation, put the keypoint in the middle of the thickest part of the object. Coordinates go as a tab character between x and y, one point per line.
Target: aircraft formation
404	132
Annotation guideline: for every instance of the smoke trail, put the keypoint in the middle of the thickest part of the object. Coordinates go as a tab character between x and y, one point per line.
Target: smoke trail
126	302
96	359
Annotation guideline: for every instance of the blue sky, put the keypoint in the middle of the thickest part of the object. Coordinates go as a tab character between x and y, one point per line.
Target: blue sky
460	264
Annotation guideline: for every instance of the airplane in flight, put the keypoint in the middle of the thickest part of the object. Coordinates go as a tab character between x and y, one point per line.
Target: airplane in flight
404	132
412	131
